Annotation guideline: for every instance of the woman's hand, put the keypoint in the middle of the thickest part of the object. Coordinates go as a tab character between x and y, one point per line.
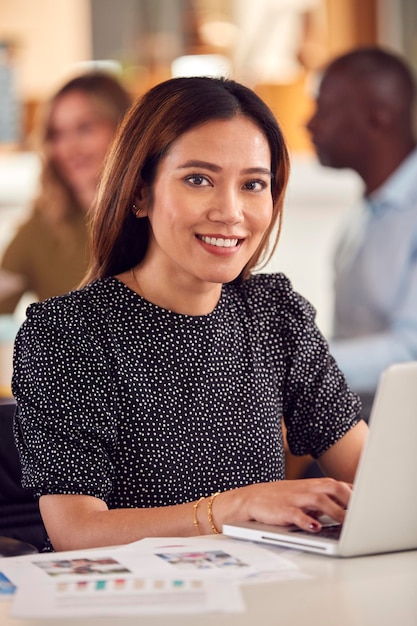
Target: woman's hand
285	502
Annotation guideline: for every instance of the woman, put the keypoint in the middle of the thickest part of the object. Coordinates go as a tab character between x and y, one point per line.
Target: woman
168	373
49	254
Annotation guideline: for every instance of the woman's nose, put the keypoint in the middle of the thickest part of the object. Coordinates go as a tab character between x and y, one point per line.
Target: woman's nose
227	208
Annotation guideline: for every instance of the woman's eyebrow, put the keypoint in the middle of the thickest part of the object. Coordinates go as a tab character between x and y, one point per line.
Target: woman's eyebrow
257	170
216	168
197	163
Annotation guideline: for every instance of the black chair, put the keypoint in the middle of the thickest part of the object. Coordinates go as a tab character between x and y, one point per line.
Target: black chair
14	547
21	527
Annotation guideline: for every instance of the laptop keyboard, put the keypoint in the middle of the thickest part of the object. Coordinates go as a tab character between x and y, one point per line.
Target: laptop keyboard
332	531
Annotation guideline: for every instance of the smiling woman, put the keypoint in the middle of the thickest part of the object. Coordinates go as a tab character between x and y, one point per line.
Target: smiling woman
170	370
207	217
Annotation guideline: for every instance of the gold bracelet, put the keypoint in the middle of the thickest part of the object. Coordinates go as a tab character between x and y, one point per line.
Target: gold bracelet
210	514
195	520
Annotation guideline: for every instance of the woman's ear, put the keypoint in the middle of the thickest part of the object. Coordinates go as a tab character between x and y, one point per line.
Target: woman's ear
137	210
142	202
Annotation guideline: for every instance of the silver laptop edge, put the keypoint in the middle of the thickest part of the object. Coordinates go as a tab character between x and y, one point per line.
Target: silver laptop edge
382	514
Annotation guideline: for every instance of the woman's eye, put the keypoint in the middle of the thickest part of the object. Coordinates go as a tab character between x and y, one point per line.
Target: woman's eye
255	185
198	180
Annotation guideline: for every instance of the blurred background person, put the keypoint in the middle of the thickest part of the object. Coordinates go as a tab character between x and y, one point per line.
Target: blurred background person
364	121
48	256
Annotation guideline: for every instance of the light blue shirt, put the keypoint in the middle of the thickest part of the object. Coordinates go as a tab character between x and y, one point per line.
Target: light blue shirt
375	321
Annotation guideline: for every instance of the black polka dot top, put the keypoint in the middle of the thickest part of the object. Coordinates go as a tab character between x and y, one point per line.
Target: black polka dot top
142	407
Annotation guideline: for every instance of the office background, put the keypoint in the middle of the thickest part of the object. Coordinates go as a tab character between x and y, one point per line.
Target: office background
274	46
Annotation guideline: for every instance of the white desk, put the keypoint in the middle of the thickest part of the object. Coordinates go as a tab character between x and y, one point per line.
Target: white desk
368	591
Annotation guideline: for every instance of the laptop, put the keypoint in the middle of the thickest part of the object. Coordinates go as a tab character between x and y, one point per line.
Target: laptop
382	512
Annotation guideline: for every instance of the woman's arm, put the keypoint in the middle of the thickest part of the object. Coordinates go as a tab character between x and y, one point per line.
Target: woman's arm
341	460
78	521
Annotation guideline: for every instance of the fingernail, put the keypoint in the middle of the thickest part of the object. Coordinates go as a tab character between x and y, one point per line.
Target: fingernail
313	526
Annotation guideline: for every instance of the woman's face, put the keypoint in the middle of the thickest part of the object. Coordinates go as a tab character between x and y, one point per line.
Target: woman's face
79	138
211	203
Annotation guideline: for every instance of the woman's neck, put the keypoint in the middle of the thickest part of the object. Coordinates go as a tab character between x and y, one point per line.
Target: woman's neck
194	300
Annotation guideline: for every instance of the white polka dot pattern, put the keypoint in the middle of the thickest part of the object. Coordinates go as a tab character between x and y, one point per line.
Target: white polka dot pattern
143	407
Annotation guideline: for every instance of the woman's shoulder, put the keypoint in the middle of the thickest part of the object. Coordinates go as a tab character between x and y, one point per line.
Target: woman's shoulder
28	232
272	294
32	234
74	311
267	285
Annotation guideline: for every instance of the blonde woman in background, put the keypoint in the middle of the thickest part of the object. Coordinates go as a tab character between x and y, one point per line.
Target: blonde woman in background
49	253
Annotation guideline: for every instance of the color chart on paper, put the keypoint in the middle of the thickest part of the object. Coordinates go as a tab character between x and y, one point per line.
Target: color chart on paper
134	591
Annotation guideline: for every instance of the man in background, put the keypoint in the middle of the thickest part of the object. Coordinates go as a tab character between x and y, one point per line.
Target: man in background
364	121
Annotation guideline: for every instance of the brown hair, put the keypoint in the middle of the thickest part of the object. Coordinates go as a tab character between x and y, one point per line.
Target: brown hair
55	198
168	110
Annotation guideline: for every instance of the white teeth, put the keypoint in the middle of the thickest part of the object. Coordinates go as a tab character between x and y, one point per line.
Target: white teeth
221	243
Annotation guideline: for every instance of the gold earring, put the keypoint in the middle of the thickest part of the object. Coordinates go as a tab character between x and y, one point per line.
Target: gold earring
136	210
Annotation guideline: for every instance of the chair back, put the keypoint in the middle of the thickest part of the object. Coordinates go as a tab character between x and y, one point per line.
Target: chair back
20	518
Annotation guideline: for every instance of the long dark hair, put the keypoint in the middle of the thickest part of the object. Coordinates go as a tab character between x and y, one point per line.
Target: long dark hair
162	115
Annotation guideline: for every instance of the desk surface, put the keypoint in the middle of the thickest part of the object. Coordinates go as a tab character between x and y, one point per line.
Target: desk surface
377	590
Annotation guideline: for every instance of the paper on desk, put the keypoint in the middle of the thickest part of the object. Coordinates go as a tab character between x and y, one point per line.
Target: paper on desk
152	576
129	595
112	582
215	555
